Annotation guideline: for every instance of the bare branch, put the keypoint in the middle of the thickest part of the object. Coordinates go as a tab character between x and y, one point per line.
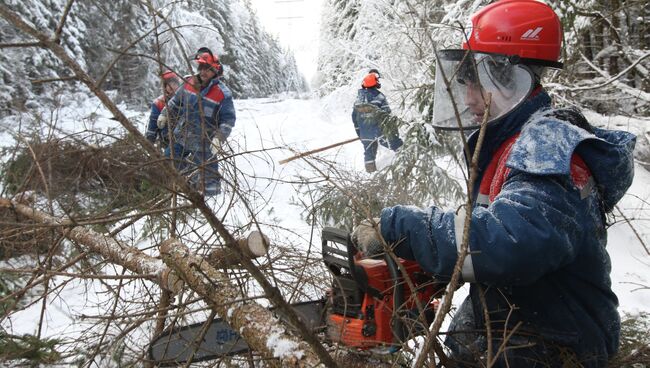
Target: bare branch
611	79
49	80
445	306
20	45
59	28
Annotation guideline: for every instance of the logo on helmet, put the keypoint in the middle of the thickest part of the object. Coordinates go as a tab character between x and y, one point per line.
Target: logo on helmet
469	31
532	34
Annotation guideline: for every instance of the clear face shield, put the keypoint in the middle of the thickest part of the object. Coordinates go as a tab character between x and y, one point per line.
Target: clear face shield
472	76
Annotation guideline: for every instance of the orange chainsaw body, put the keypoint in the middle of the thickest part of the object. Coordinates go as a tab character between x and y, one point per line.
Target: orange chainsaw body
373	322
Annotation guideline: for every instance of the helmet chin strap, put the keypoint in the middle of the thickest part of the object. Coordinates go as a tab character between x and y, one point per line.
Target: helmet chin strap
538	72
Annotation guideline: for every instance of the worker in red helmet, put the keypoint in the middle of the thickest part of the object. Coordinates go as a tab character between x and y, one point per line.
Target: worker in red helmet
170	82
369	111
207	61
539	273
204	116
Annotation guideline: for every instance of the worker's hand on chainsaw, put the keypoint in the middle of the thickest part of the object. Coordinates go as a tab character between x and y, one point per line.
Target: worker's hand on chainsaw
366	236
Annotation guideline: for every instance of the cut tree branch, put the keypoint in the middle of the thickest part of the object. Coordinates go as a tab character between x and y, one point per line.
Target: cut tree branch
116	252
254	246
254	322
308	153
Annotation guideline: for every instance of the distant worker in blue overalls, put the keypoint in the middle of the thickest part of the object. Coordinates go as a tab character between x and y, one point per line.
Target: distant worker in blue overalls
369	111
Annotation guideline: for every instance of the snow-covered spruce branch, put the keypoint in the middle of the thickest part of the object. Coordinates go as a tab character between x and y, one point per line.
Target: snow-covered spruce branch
272	293
614	78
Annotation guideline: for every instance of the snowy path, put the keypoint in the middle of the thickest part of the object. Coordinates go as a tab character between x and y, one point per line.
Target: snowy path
301	125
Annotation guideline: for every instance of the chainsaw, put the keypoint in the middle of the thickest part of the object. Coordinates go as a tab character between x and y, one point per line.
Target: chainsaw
369	306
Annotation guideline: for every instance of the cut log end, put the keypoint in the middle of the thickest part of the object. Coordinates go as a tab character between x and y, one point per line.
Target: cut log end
257	243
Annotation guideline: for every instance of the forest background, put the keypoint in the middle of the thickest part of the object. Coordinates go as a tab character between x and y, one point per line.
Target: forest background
86	279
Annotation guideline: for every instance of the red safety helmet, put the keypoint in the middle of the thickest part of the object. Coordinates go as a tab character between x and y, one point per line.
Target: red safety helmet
169	75
510	43
205	57
527	29
371	80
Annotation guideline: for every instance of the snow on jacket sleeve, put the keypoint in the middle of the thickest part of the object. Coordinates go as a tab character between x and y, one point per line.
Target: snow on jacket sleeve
528	231
152	128
227	115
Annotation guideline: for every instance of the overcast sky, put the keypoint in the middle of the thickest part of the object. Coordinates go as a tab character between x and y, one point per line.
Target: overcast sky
296	24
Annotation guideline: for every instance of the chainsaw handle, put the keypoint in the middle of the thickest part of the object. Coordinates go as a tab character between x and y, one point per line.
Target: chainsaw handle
337	259
397	326
339	255
339	236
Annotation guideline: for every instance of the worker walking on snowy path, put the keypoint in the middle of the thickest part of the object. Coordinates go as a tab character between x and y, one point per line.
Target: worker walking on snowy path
540	290
368	113
204	115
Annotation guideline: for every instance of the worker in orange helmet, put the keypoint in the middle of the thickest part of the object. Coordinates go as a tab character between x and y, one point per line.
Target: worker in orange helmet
369	111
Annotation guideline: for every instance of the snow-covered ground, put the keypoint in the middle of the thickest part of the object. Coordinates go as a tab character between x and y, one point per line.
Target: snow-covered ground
303	125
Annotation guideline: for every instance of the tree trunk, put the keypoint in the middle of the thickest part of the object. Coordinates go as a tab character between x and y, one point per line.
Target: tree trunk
256	324
613	67
114	251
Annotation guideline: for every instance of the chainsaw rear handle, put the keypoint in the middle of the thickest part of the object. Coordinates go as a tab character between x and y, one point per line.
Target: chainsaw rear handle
335	264
398	298
338	259
334	256
339	236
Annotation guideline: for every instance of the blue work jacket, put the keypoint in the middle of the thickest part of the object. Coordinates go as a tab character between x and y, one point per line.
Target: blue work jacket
368	111
197	124
153	132
537	233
